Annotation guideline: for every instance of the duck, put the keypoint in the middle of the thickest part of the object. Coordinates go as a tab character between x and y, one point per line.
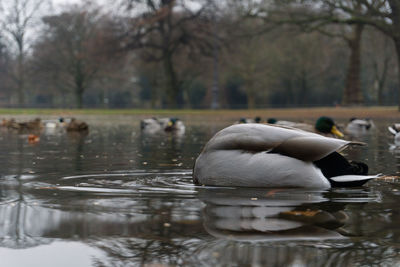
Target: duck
257	119
77	126
156	125
10	124
35	125
359	126
56	123
324	125
262	155
395	130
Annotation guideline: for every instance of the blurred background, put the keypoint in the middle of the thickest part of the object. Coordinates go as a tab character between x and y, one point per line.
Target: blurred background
198	54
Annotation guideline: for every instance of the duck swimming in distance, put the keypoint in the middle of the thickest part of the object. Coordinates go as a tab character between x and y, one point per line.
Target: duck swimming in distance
323	125
359	126
395	130
77	126
155	125
257	155
246	120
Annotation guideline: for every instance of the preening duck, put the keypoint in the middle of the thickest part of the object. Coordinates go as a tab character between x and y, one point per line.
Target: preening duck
256	155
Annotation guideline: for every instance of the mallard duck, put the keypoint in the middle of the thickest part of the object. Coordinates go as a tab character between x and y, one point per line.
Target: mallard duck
10	124
246	120
28	126
359	126
395	130
323	125
155	125
257	155
55	123
77	126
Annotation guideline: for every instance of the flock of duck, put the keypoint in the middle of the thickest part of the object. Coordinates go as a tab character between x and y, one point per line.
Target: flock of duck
36	125
251	153
277	153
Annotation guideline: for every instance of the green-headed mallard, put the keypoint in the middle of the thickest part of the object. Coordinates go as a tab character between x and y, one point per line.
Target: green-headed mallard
323	125
155	125
257	155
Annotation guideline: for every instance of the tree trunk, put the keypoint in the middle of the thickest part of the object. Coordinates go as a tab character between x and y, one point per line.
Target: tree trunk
172	86
79	84
79	89
381	80
352	94
250	90
79	97
251	100
397	44
21	75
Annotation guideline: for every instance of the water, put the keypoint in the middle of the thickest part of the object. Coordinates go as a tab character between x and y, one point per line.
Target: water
117	197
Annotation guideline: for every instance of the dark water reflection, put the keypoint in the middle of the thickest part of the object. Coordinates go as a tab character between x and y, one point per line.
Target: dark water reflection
118	198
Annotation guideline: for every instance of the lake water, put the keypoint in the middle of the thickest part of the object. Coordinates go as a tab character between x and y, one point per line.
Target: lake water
117	197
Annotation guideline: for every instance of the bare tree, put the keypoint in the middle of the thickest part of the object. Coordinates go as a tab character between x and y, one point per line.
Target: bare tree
162	30
384	15
74	48
18	18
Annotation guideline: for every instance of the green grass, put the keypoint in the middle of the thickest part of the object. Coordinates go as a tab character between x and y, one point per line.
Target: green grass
342	112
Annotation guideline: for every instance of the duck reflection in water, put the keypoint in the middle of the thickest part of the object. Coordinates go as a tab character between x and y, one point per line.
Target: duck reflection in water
275	215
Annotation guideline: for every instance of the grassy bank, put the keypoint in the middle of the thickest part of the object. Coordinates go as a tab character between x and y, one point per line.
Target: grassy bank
339	112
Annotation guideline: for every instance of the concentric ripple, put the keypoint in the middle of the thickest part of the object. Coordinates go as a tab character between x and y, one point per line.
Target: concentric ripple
127	182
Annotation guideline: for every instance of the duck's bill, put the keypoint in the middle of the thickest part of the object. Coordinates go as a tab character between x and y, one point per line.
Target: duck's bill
336	132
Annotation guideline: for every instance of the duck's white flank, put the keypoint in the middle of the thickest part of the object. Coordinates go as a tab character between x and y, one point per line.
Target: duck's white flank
254	155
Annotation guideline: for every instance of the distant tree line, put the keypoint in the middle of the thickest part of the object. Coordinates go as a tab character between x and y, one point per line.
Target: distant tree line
176	53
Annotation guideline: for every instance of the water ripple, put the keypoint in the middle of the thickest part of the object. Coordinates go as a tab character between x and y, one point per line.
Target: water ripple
129	182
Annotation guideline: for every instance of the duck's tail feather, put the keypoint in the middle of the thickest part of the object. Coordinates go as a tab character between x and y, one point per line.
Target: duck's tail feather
351	180
392	130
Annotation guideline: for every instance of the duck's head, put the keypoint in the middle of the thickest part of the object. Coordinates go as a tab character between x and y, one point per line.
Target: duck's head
242	120
327	125
171	125
272	120
257	119
172	121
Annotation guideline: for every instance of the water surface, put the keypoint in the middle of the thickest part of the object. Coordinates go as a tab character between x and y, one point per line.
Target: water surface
117	197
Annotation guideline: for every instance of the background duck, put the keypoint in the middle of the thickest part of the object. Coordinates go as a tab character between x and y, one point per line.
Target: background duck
35	125
155	125
395	130
77	126
257	155
323	125
359	126
247	120
56	123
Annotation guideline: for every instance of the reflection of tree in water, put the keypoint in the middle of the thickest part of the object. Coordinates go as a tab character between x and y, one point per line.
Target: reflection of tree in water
136	229
129	230
166	228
